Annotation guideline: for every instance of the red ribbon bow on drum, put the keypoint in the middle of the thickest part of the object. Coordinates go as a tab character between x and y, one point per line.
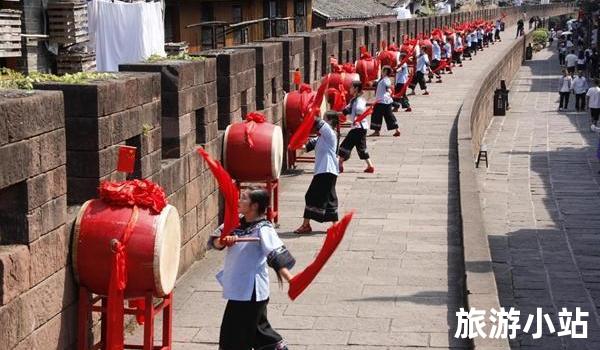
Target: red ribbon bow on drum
136	194
251	120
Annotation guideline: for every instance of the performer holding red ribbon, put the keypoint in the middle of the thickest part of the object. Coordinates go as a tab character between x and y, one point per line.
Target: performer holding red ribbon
357	136
383	106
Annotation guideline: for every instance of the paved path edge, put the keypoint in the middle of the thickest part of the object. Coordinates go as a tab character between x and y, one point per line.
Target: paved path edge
480	284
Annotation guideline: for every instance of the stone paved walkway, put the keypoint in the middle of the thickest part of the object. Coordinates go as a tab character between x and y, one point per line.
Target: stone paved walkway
396	279
541	198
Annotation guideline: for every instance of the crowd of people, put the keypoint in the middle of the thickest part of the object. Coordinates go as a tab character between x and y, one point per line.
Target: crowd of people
579	58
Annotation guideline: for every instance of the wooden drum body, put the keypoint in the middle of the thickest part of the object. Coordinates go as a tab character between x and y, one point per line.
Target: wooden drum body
257	163
368	70
296	105
152	250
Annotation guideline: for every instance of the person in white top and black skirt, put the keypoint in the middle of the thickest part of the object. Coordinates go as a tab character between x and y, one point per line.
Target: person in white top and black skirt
357	136
321	203
245	276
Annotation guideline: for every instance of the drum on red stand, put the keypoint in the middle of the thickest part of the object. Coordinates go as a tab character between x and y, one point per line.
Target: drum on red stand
344	79
257	160
152	250
368	70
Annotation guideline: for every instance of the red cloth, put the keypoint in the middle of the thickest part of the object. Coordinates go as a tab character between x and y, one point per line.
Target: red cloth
301	134
116	287
142	193
251	120
335	234
365	114
228	189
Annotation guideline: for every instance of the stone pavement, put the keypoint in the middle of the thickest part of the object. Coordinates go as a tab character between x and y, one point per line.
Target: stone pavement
540	198
396	280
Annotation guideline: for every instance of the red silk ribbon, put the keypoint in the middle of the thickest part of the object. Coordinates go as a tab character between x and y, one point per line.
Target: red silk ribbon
252	119
117	284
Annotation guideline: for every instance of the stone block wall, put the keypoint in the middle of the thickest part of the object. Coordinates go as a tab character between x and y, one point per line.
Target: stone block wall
36	287
293	59
99	117
358	40
371	37
269	78
188	95
236	83
330	43
346	45
313	57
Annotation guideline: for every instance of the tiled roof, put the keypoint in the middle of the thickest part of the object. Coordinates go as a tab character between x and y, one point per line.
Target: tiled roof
350	9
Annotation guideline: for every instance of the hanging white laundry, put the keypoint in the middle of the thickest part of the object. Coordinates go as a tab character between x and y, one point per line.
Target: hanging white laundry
125	32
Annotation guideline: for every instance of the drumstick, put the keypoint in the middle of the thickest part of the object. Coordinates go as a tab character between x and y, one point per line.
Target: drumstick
247	239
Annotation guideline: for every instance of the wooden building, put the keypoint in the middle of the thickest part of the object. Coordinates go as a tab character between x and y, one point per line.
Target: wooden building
214	24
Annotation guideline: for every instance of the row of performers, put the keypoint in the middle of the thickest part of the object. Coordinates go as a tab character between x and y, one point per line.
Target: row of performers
245	324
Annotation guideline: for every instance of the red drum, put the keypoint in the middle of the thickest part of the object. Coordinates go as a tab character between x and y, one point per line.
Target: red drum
152	250
368	70
295	106
427	46
389	58
344	79
257	163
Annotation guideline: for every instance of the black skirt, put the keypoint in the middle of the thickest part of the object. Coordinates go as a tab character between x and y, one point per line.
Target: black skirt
245	327
321	199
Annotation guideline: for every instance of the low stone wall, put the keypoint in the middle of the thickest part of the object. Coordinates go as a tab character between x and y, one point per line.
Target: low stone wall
473	119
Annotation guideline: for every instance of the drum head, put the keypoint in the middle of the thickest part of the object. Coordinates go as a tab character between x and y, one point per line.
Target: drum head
276	152
167	247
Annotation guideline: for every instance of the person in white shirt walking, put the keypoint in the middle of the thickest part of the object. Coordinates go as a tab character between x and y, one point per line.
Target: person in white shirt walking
321	203
593	102
564	89
383	105
571	62
422	68
579	86
357	136
497	30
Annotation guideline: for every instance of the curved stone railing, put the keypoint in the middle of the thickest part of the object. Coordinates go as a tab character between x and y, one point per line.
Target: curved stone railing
473	119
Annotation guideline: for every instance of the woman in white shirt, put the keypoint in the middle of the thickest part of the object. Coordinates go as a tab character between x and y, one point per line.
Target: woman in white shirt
580	86
245	276
564	89
321	203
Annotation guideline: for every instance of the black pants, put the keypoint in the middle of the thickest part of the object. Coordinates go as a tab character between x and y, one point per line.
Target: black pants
419	79
245	326
564	99
321	198
595	113
356	137
561	59
456	57
520	31
497	35
580	102
434	65
383	111
403	100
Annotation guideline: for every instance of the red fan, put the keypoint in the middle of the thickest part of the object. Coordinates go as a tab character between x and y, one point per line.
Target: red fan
334	236
229	190
300	137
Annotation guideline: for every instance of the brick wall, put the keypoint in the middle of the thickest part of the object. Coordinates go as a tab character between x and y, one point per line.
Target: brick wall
236	83
57	146
293	59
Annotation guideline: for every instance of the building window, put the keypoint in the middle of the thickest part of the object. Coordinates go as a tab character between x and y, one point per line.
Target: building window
300	15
